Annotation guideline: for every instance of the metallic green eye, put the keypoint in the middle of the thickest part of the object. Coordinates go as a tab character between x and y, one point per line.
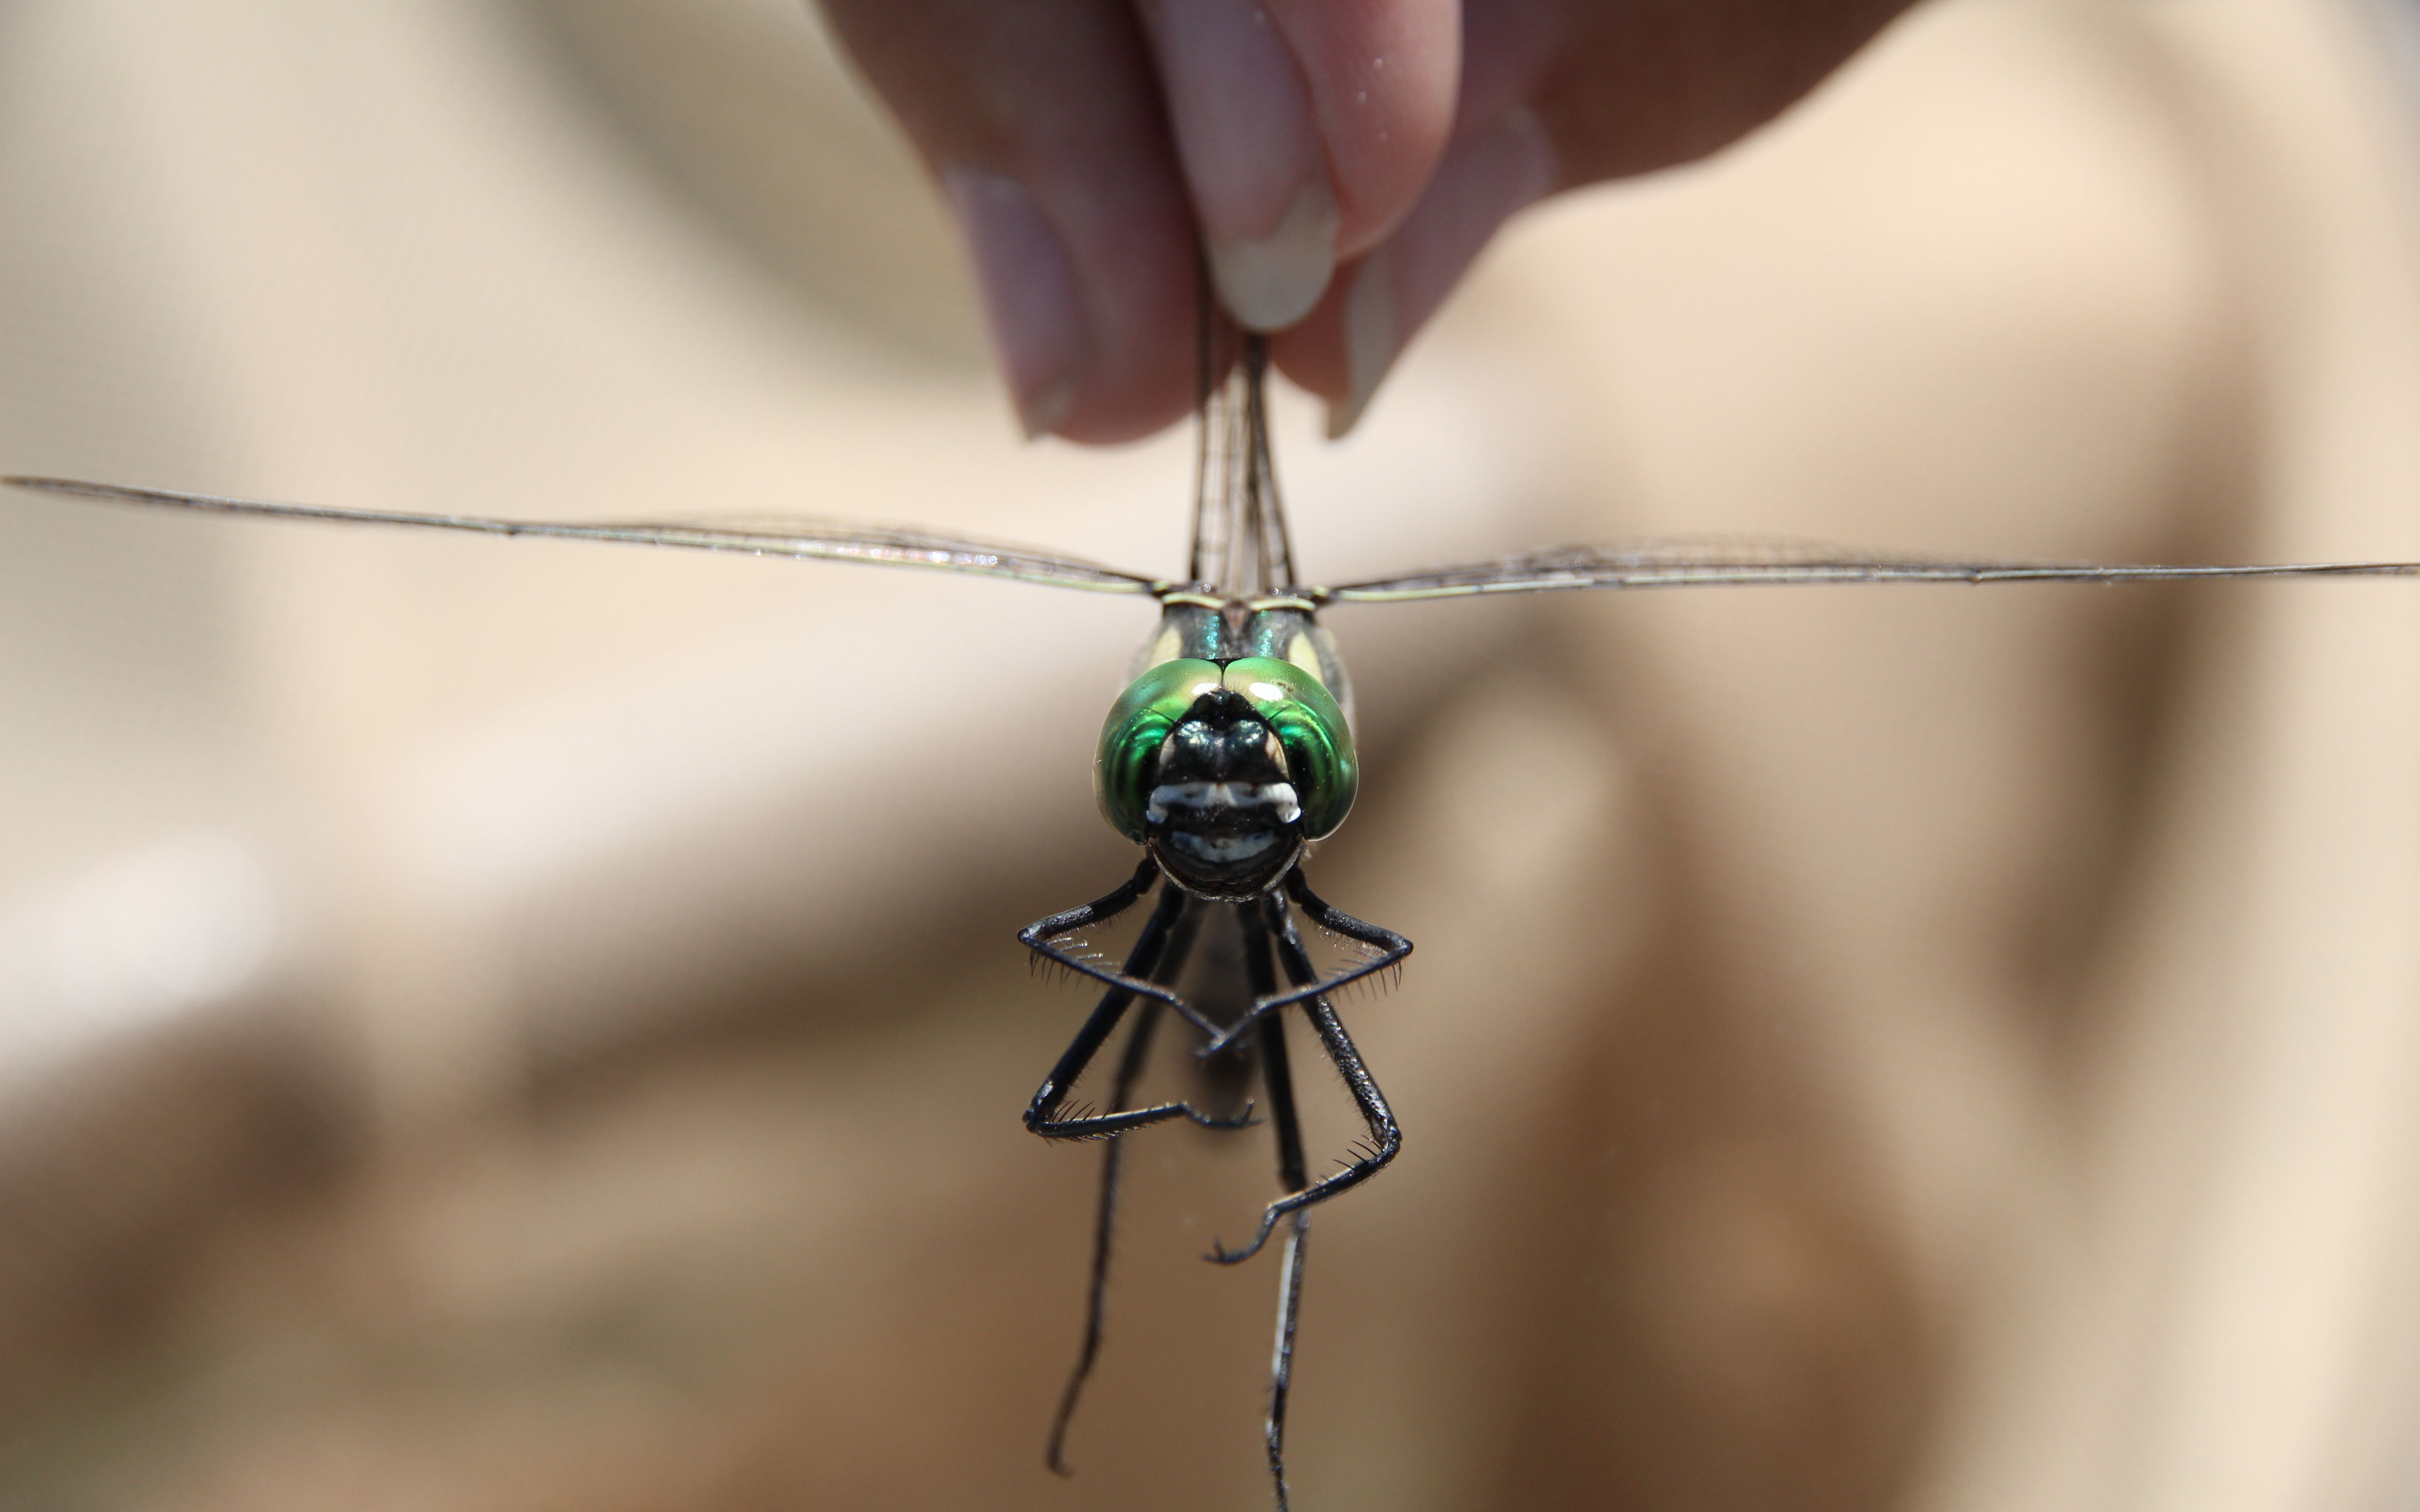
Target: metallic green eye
1138	722
1309	725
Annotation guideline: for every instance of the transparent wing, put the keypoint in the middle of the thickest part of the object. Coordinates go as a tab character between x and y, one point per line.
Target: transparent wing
820	541
1720	562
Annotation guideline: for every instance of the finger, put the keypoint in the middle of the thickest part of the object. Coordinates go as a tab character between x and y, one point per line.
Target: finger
1350	343
1637	85
1557	94
1306	129
1042	123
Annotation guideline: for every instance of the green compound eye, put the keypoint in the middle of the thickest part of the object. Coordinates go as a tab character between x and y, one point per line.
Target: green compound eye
1296	707
1309	725
1138	722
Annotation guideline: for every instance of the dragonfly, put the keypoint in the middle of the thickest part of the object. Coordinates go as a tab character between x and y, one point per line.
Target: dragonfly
1226	759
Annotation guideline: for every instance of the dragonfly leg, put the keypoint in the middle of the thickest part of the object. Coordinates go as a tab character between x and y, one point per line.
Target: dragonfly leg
1042	935
1293	1177
1281	1368
1130	1064
1386	1137
1391	949
1150	957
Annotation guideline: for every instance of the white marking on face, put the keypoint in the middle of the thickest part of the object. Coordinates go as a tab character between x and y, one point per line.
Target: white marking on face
1224	851
1202	797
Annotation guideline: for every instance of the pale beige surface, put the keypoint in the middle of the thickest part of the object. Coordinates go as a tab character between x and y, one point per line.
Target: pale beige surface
513	1026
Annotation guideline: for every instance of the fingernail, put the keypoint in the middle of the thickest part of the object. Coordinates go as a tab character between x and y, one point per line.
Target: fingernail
1029	294
1483	180
1268	283
1253	156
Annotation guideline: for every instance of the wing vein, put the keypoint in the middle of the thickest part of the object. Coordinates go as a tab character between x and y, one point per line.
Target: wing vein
1697	564
803	540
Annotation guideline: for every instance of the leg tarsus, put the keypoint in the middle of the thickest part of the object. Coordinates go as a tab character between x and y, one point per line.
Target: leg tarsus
1281	1366
1110	1125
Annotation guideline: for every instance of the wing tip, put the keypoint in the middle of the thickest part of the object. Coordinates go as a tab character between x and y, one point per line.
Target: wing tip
32	483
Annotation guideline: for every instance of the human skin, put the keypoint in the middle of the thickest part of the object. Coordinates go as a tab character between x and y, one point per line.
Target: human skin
1341	160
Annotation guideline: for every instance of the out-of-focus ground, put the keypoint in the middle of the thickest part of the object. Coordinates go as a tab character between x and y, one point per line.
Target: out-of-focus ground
503	1026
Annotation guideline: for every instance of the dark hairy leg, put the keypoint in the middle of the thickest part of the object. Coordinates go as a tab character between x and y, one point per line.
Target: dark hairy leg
1150	957
1104	1222
1386	1137
1391	949
1041	937
1160	954
1292	1177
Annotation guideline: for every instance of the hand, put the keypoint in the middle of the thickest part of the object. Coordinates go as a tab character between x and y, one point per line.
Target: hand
1343	160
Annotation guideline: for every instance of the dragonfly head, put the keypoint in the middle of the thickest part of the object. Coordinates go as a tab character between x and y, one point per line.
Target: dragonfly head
1226	773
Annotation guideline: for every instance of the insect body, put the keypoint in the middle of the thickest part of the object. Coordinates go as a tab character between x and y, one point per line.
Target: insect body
1229	753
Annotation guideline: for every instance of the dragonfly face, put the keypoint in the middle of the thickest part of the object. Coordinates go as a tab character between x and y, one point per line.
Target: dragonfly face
1225	761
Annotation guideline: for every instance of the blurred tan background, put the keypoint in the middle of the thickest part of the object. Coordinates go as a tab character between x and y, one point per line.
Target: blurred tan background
509	1026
